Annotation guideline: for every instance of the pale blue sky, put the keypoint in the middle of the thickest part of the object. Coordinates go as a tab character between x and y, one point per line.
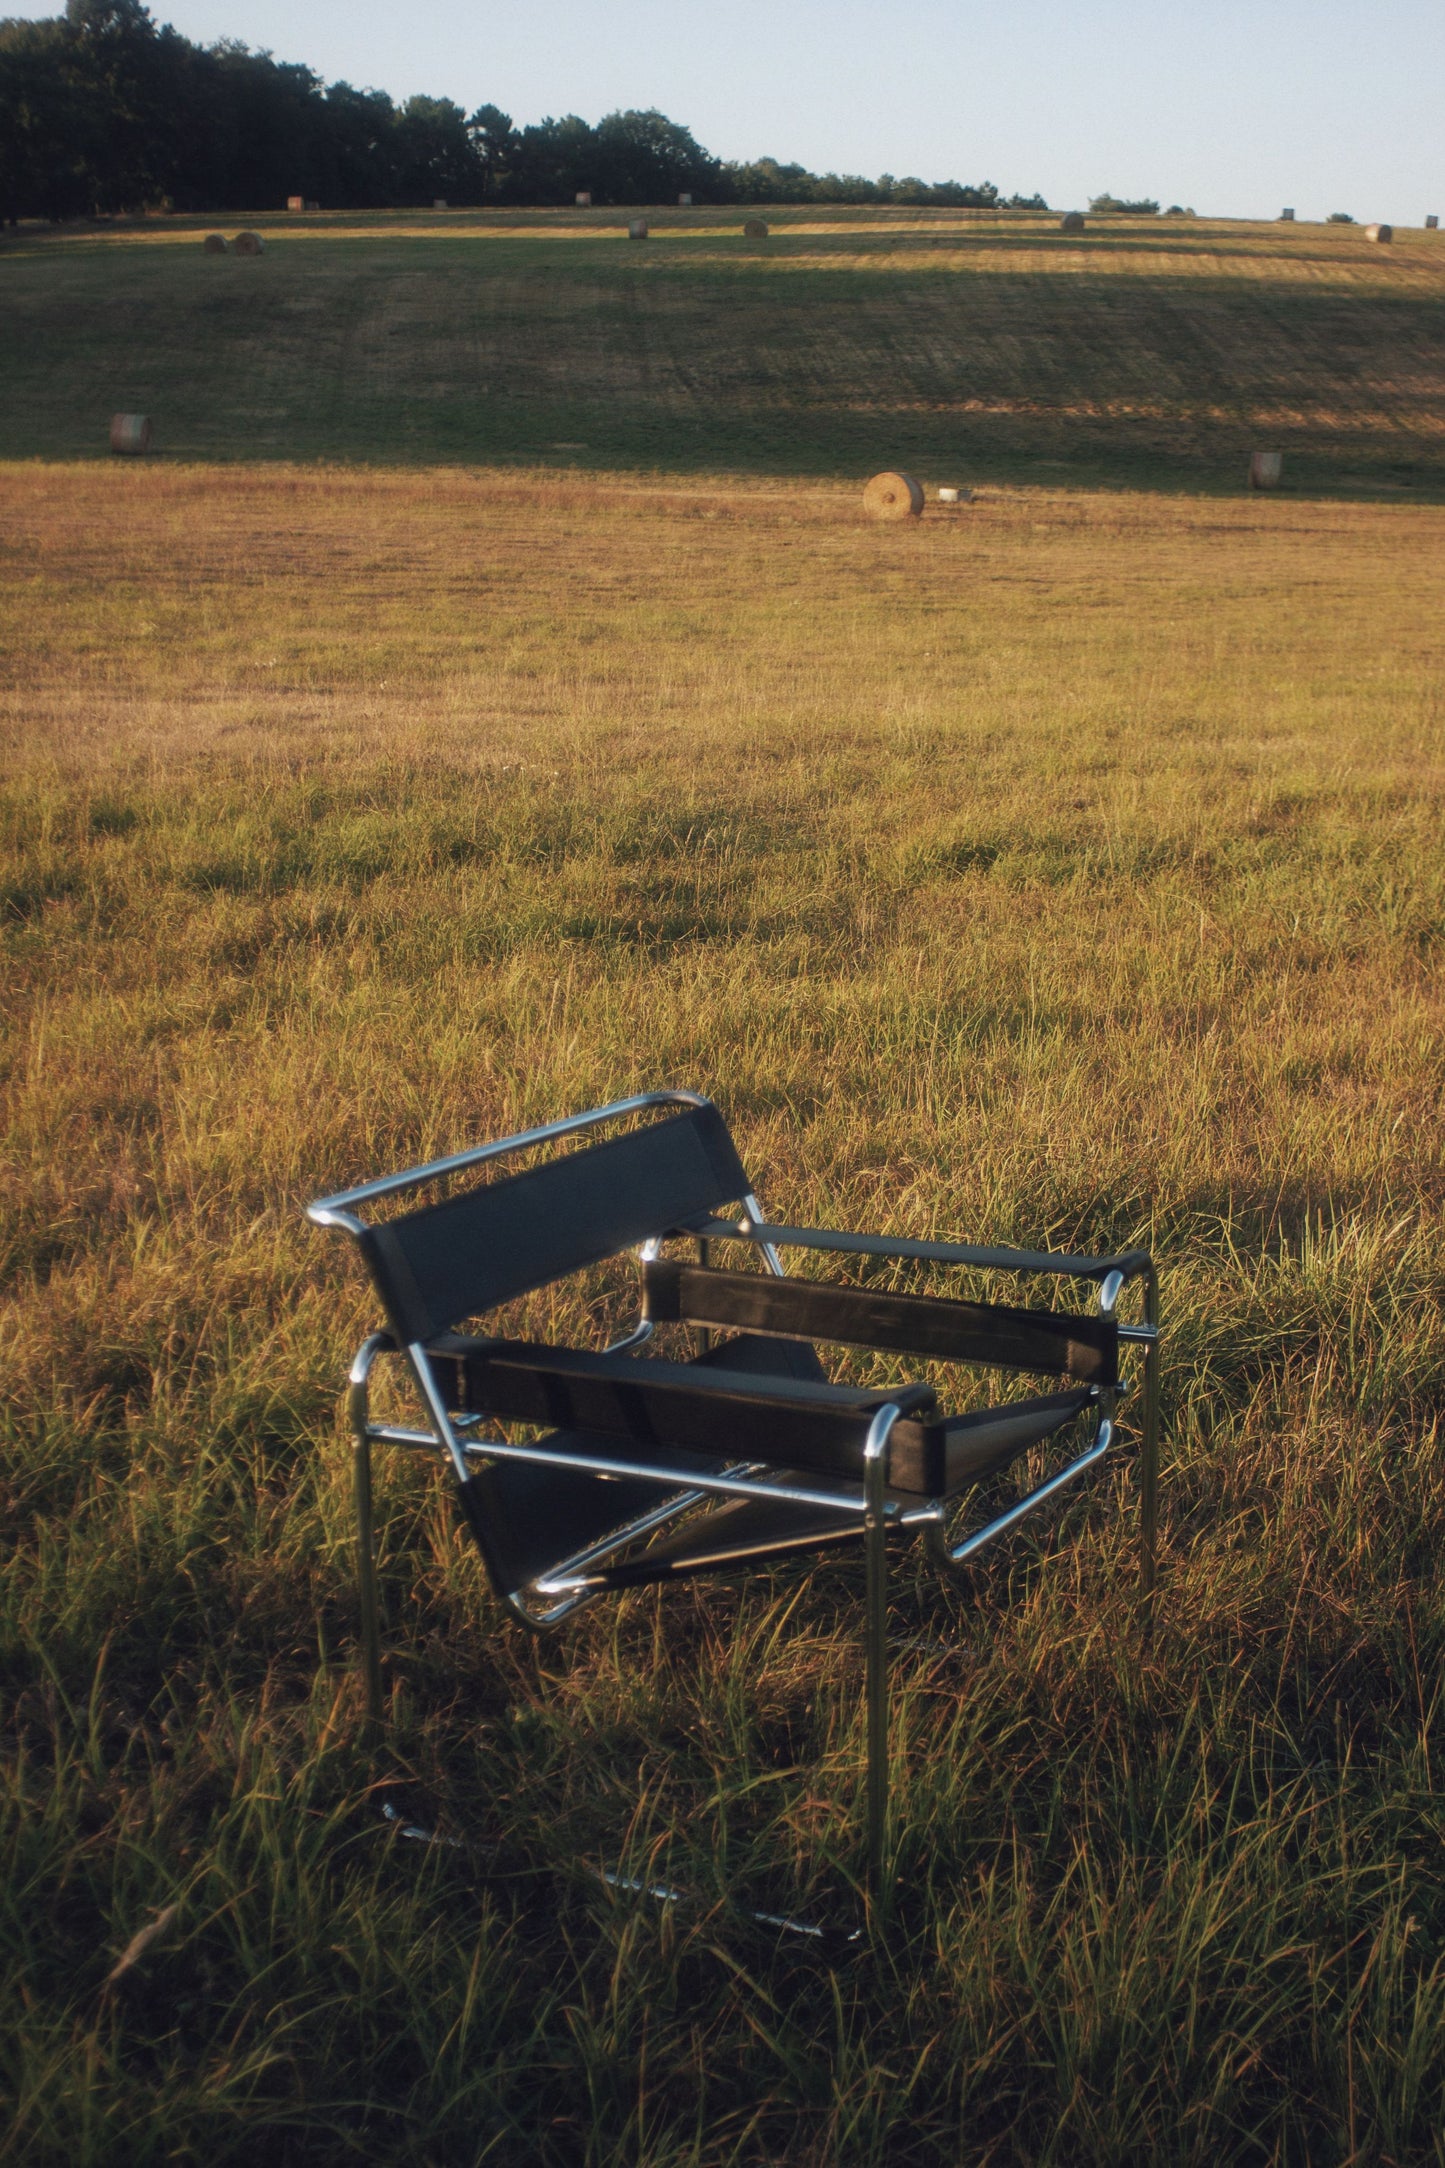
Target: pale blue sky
1234	108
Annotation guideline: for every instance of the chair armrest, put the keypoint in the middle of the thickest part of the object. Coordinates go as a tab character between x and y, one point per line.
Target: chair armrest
663	1409
1044	1343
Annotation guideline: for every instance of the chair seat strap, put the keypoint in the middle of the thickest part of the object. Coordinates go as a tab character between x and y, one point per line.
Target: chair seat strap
755	1530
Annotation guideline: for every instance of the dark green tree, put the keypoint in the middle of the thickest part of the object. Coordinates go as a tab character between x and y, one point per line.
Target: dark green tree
123	68
553	159
45	117
494	146
643	157
434	153
102	111
359	149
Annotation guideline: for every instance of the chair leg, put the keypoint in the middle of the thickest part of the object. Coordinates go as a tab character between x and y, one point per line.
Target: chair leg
366	1580
876	1649
358	1399
1149	1463
877	1719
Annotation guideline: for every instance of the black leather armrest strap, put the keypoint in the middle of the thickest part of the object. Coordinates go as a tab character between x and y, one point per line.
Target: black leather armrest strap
663	1410
1046	1343
660	1407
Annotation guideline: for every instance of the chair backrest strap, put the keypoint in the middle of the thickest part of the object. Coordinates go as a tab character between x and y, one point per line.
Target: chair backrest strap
462	1257
1045	1343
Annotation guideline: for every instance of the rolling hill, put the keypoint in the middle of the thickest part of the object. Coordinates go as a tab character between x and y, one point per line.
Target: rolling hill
1146	351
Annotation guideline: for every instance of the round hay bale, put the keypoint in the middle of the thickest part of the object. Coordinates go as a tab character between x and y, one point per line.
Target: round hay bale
1072	222
214	244
893	496
1288	217
439	203
1266	470
754	229
637	231
948	496
584	199
295	203
1432	223
1379	233
684	201
130	433
248	244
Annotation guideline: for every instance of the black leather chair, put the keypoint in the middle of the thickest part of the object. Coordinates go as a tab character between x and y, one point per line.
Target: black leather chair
582	1471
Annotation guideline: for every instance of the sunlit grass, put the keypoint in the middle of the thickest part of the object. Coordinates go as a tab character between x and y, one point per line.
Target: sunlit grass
1067	869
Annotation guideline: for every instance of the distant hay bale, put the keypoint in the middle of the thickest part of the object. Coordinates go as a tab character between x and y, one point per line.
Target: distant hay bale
1288	217
754	229
295	203
584	199
637	231
438	203
1072	222
1379	233
214	244
309	205
1266	470
1432	223
947	496
248	244
684	201
130	433
893	496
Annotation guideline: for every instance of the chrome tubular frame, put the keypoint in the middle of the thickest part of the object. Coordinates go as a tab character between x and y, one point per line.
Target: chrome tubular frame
736	1481
875	1534
357	1400
1145	1335
877	1511
1149	1456
953	1560
338	1211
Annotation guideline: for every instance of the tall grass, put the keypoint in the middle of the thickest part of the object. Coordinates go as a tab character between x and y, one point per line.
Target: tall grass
1068	871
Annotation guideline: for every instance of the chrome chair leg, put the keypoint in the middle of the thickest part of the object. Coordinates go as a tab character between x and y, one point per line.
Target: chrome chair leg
366	1580
1149	1459
357	1408
875	1462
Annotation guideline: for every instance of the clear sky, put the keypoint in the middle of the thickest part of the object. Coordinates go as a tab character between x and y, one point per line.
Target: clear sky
1236	107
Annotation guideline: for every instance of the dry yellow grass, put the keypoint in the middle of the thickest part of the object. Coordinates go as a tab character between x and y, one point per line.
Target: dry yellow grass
1065	867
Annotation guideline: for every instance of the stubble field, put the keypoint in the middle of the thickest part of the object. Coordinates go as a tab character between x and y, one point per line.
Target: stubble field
1066	868
1155	352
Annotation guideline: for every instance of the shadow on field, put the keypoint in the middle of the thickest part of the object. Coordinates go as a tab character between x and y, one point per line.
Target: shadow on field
1008	355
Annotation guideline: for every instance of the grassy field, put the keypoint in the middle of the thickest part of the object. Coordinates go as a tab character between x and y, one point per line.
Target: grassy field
1146	351
1065	868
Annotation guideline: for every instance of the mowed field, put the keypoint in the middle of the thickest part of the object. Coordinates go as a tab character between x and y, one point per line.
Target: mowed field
1066	868
1144	350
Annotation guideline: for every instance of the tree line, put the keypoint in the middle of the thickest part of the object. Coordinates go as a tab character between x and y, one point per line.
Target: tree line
103	110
